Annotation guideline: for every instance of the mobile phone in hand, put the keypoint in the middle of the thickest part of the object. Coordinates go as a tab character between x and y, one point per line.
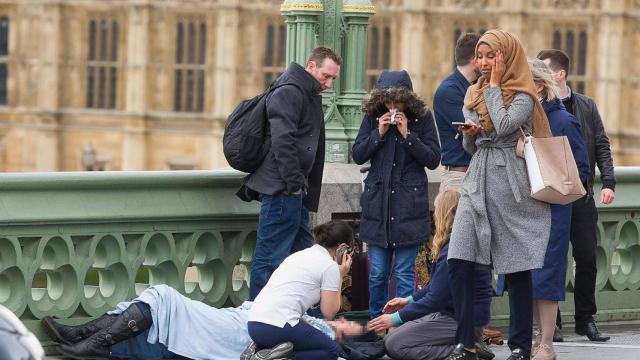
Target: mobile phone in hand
461	124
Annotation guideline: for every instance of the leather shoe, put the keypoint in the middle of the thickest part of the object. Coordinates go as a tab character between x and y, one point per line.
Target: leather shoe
518	354
557	335
460	353
591	331
483	351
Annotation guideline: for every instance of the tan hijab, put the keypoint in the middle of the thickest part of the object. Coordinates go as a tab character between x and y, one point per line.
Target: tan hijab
517	78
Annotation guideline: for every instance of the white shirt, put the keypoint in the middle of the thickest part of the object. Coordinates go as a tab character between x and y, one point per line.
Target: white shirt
295	286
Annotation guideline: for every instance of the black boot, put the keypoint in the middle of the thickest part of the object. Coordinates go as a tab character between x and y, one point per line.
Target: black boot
74	334
126	325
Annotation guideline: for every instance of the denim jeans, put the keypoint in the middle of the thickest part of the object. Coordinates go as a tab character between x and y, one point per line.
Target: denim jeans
309	343
283	228
404	261
138	347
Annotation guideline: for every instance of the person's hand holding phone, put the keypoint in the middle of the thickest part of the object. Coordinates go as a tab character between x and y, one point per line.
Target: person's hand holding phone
345	264
384	122
468	127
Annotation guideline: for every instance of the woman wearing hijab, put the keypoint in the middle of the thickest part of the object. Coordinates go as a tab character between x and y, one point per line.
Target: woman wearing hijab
497	223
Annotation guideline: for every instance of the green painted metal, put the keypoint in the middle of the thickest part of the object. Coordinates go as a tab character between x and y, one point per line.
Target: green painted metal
618	257
73	245
341	25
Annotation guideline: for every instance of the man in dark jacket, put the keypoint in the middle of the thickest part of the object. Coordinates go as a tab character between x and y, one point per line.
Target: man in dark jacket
288	181
585	216
447	107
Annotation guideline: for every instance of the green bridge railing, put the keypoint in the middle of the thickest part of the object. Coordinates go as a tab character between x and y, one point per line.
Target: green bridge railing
73	245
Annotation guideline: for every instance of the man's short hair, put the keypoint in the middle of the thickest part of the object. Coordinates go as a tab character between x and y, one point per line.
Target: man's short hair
466	48
558	59
322	52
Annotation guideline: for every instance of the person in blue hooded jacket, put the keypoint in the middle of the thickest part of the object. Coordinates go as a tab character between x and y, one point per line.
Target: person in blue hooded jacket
549	282
399	138
425	322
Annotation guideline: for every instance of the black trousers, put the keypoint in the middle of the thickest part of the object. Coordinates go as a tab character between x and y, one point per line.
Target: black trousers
462	276
583	241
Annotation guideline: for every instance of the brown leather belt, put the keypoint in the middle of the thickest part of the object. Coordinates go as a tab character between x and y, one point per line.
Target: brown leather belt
456	168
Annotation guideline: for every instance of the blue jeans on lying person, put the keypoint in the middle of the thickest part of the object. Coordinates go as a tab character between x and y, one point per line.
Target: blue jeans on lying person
309	343
404	261
138	347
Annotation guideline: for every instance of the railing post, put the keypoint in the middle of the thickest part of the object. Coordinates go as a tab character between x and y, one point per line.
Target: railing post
341	25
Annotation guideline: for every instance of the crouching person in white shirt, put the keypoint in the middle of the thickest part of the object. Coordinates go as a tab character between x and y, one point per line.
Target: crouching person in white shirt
301	281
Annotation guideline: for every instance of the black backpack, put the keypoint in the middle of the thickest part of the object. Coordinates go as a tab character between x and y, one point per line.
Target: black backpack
246	140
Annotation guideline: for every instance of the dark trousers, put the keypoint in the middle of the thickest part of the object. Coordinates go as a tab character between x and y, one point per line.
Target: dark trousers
584	241
462	276
283	228
309	343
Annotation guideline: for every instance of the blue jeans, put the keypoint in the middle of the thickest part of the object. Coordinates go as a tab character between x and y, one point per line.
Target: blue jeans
309	343
138	347
283	228
403	270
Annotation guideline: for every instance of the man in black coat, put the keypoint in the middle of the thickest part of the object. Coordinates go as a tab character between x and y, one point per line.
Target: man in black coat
584	214
288	181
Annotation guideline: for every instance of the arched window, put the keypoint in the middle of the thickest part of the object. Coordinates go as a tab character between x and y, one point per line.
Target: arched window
4	58
572	39
102	63
274	62
191	57
379	52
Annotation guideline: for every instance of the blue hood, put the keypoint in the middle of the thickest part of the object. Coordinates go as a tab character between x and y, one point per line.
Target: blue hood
390	79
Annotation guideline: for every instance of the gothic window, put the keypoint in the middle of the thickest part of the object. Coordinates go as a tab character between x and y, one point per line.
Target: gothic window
573	41
379	52
102	63
191	49
4	55
275	52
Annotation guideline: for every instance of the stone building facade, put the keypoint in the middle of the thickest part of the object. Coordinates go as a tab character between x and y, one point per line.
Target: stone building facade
147	84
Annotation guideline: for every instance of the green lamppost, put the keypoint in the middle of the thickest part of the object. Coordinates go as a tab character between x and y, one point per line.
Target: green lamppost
341	25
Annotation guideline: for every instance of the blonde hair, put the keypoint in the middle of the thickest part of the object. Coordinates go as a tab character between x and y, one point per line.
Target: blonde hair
444	212
543	75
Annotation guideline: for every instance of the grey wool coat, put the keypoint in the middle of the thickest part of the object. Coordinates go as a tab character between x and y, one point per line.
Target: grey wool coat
497	221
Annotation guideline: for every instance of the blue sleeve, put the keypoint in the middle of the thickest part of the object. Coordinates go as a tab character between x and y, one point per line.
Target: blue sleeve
368	141
435	298
422	143
448	109
578	147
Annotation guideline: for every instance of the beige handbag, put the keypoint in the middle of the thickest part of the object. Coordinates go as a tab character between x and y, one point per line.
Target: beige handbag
553	173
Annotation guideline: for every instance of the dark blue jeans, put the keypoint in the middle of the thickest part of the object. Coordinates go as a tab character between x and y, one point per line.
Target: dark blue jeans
462	276
309	343
138	347
283	228
404	261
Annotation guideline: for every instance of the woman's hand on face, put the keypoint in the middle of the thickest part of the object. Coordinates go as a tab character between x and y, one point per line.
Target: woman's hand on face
497	71
394	305
473	129
402	124
346	264
382	322
384	122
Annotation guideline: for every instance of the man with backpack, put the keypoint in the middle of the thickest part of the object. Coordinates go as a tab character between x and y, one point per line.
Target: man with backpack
288	180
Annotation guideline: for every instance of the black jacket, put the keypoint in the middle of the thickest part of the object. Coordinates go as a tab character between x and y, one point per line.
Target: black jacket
395	200
296	158
595	137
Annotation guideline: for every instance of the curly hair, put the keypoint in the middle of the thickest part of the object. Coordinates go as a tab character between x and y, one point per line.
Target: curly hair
374	103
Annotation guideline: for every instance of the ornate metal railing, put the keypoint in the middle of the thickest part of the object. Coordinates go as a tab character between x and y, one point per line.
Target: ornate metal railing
618	255
72	245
